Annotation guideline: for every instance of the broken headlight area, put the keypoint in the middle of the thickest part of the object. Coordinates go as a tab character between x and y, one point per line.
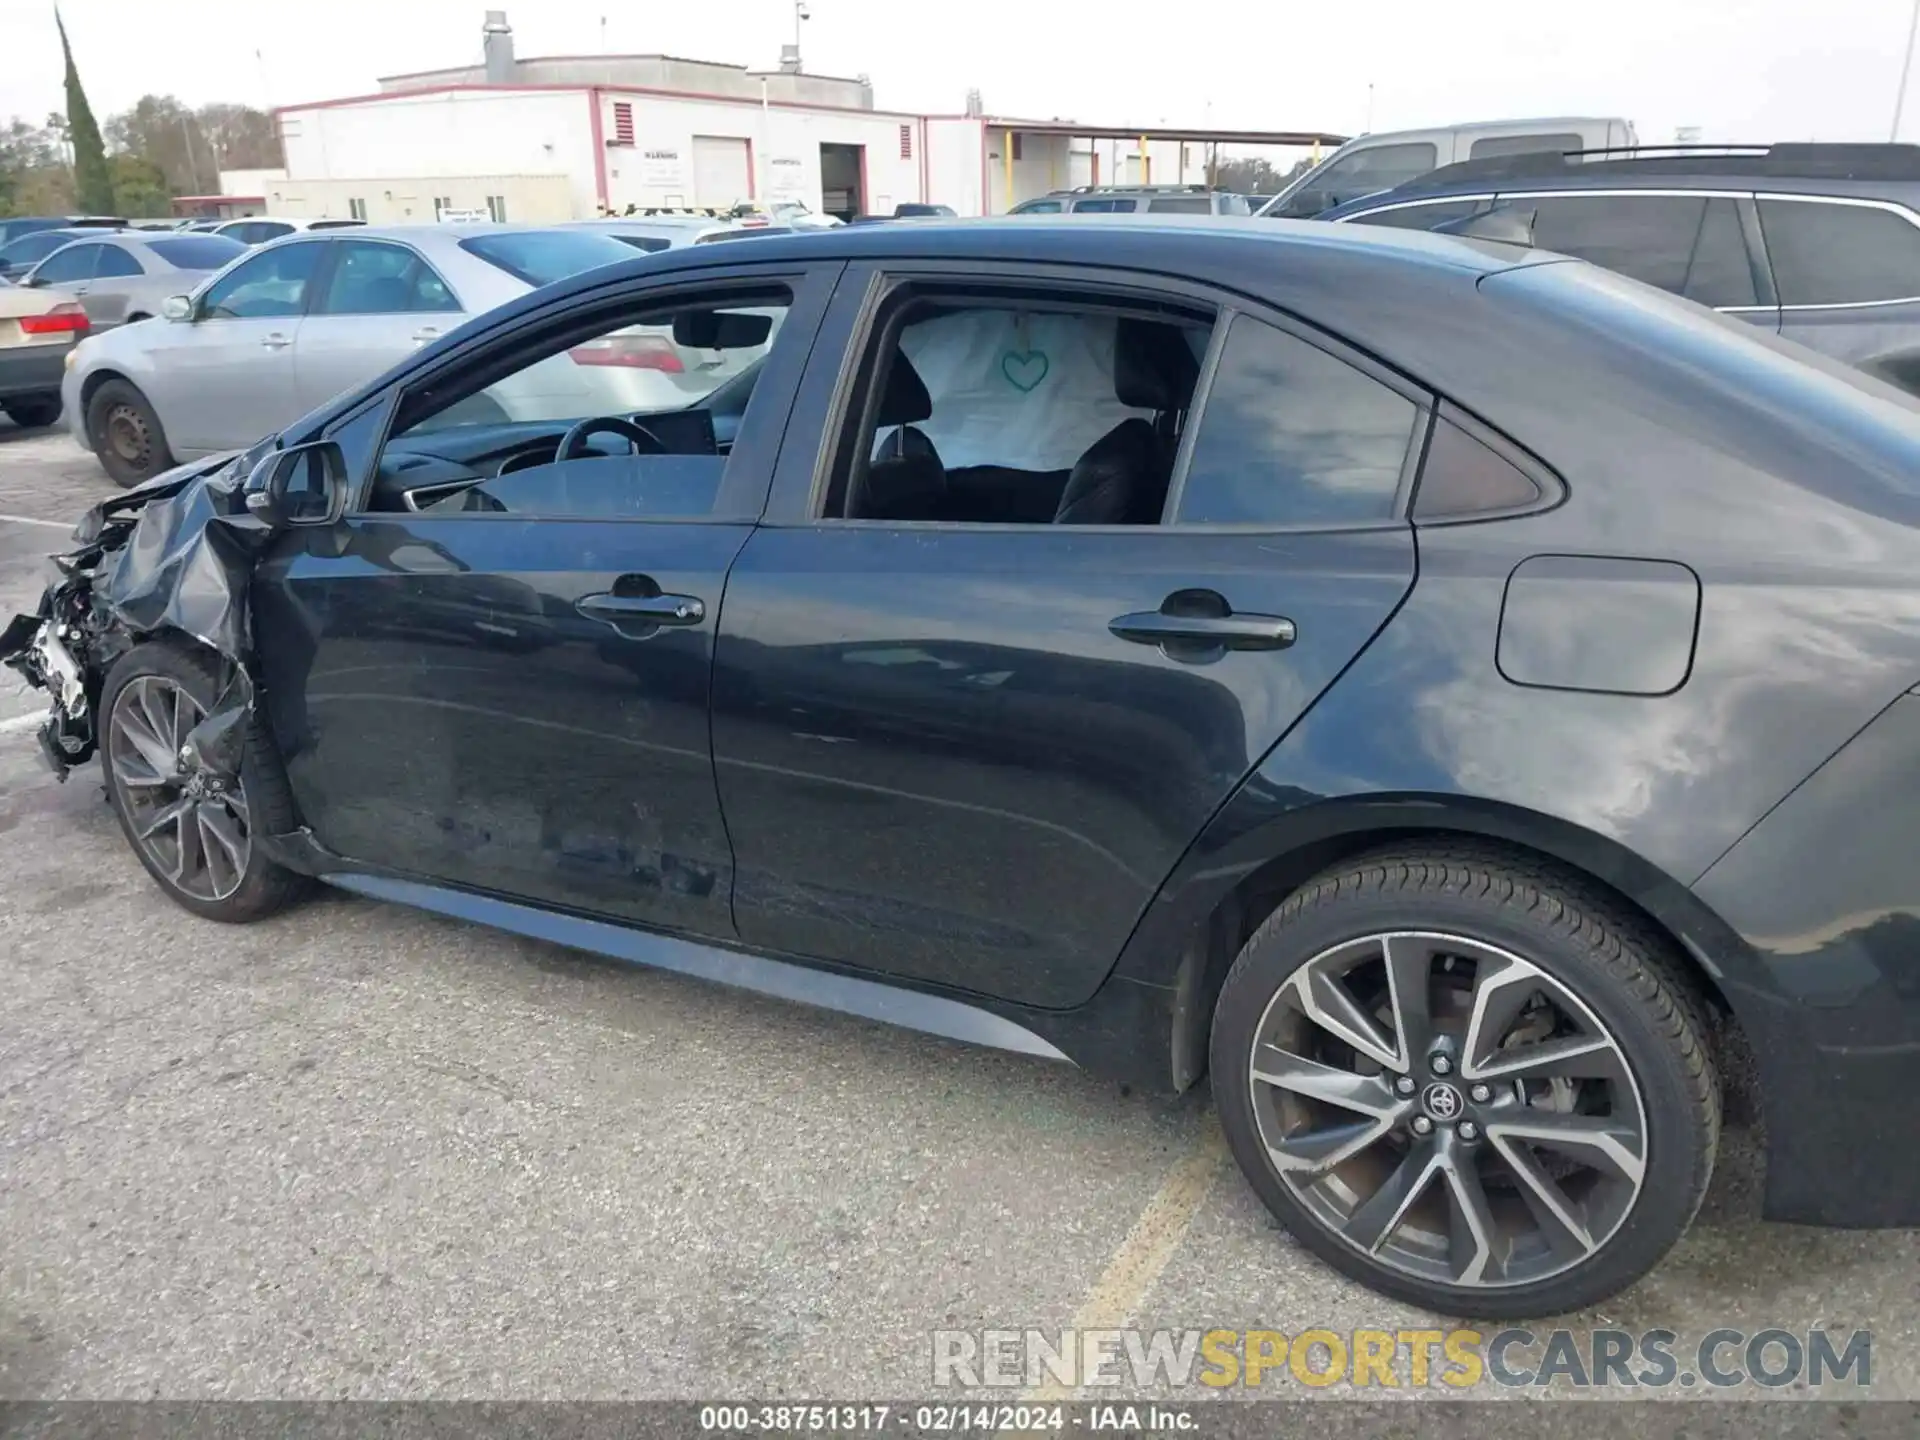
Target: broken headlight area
173	556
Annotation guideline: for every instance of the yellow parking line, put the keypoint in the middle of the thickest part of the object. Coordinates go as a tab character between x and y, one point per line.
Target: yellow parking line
1149	1245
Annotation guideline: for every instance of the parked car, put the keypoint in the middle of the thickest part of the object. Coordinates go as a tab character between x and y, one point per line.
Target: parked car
1129	199
15	226
38	330
910	210
1373	163
25	251
792	214
294	322
258	229
126	276
1820	243
1002	670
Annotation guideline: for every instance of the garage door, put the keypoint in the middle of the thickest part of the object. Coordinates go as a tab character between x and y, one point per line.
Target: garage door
720	175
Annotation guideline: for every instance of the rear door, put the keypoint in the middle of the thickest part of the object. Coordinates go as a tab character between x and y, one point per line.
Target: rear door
117	276
376	302
961	746
1848	274
223	378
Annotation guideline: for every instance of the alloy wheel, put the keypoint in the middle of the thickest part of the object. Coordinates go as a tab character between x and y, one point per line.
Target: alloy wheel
193	827
1448	1108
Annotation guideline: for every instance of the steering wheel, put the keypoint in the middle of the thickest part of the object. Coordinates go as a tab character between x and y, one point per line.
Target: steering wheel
573	444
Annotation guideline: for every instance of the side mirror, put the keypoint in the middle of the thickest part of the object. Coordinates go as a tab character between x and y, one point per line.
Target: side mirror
1306	204
720	330
177	307
302	485
31	282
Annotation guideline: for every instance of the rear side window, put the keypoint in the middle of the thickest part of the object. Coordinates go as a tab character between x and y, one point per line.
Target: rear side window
1105	207
1830	254
197	252
1680	243
540	257
1494	146
1291	436
1179	205
113	261
376	278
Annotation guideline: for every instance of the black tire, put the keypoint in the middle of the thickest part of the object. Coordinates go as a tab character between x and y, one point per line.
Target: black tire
1611	960
30	412
264	887
126	434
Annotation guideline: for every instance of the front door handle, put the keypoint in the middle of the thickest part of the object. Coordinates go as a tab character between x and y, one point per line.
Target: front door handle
1192	624
633	612
425	334
276	341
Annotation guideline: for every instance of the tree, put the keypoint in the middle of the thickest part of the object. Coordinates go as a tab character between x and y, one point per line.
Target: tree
92	183
190	146
138	187
33	168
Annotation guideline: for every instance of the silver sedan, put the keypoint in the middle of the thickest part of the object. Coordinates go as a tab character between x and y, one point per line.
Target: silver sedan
127	275
291	324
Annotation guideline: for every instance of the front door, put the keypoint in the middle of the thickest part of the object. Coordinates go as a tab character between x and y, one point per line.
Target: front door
977	690
223	378
494	675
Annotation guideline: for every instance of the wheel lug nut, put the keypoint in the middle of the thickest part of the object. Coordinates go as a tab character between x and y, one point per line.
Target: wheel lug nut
1467	1130
1422	1125
1441	1065
1405	1085
1481	1093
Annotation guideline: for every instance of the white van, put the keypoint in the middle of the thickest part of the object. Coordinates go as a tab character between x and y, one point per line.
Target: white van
1380	162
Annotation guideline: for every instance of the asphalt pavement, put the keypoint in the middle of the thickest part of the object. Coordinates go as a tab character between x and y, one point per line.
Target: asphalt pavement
359	1151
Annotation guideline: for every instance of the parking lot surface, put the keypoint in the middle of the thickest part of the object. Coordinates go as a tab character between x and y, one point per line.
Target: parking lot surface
359	1151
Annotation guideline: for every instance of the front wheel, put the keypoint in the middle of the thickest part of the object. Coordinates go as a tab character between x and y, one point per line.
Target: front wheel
1468	1081
195	832
126	433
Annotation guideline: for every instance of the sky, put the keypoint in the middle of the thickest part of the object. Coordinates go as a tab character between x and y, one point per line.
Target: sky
1740	70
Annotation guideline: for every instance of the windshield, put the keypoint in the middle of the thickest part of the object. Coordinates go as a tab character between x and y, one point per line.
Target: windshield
35	246
541	257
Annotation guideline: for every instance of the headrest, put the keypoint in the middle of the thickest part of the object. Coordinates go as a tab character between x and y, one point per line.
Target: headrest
905	401
909	487
1153	366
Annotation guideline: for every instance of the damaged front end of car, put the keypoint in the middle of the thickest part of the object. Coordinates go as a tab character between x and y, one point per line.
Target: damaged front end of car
173	556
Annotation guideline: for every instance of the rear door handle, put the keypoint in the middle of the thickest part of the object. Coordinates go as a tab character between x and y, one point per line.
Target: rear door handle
276	342
633	612
1167	626
425	334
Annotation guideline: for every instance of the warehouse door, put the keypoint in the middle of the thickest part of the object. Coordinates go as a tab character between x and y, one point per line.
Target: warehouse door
721	173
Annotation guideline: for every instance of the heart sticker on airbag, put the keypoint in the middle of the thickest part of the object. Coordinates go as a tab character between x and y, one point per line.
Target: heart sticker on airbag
1024	369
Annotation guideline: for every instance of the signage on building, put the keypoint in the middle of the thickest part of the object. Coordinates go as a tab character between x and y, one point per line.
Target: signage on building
662	169
786	177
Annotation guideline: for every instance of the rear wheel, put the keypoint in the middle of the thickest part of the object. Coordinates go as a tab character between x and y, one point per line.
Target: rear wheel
126	434
31	411
1468	1081
195	832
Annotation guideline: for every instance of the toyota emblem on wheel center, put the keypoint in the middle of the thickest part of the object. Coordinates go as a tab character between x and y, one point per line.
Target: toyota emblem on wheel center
1441	1101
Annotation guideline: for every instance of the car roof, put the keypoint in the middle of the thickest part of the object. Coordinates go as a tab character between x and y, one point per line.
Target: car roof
1855	171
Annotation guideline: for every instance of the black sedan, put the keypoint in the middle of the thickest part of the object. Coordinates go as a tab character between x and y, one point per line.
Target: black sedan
1447	693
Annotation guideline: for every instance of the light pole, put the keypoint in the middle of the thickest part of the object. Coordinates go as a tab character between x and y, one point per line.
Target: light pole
1906	70
800	13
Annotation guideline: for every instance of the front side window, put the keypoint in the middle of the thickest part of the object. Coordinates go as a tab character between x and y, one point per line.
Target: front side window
1106	206
987	411
1419	217
1289	435
371	278
1825	253
1038	207
631	421
1376	167
75	262
269	286
113	262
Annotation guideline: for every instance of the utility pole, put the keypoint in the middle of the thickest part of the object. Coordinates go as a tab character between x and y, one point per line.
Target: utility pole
1906	72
